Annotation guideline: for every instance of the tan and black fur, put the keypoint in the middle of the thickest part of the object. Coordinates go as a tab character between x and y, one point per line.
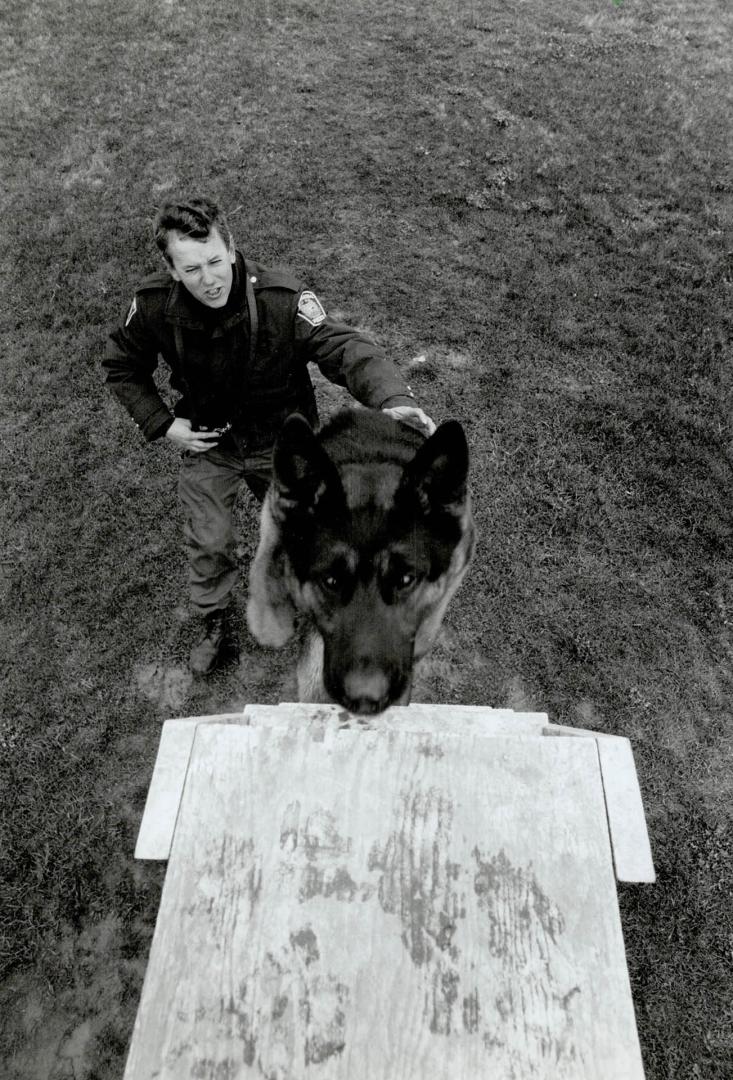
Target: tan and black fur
366	531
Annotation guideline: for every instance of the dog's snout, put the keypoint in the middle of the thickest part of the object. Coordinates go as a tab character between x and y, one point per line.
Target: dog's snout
366	691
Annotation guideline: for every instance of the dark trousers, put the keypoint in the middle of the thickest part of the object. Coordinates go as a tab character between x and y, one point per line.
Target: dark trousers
207	486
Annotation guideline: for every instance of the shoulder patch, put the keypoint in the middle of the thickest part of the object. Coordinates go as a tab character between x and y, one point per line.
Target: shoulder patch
310	308
131	312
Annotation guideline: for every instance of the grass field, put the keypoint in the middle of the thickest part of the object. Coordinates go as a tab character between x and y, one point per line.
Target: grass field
533	197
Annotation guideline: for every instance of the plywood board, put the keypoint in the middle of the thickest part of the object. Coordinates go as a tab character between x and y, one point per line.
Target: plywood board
627	824
164	794
374	906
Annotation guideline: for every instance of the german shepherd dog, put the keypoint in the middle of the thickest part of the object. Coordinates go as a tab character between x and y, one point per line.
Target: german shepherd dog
366	531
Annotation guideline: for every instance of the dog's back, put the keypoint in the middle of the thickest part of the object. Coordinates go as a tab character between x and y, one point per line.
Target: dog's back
368	436
370	451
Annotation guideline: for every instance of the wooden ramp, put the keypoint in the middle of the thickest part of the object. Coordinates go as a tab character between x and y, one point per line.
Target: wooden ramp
426	896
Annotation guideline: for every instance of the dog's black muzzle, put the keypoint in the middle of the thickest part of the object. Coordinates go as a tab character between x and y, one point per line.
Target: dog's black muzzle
367	663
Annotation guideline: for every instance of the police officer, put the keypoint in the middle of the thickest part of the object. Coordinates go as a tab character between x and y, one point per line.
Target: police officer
237	338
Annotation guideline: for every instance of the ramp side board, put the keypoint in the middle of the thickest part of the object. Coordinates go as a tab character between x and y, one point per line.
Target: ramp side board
632	853
166	785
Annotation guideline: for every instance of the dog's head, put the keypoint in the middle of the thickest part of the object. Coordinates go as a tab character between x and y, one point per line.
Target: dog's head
375	525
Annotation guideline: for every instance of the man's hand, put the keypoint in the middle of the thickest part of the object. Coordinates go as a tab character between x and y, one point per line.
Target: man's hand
413	417
181	433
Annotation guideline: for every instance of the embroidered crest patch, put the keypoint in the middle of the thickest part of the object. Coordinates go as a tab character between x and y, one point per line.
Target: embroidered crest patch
131	312
310	308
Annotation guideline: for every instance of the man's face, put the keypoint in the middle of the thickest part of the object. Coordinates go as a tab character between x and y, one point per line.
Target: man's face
204	267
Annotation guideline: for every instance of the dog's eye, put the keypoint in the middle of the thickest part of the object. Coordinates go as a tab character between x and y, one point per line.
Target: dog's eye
331	582
404	581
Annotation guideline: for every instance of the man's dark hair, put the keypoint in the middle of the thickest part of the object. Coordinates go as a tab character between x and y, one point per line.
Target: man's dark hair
195	218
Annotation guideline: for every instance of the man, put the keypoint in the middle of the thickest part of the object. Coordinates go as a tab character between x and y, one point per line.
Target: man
237	338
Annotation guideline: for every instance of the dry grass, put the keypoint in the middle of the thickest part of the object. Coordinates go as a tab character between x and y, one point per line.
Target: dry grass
535	198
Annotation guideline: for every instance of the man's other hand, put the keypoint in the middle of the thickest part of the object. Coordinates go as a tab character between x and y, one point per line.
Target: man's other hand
181	433
413	417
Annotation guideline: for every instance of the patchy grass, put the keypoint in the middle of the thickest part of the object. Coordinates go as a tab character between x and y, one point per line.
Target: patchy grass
535	198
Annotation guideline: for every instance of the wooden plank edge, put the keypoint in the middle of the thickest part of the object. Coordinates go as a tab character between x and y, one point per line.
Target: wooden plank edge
160	813
522	722
466	710
565	729
632	853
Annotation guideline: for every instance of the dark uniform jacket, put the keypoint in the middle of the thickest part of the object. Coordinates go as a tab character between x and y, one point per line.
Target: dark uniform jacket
245	364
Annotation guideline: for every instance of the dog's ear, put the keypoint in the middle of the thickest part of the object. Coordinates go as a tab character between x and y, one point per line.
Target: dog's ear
302	470
439	470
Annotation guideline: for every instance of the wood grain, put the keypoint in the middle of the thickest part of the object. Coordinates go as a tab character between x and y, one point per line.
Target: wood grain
166	787
374	905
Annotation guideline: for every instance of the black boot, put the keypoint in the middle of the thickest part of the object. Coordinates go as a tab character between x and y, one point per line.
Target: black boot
207	649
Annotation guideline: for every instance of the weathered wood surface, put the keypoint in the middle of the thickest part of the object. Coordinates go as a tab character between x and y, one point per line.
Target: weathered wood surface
380	906
166	787
626	820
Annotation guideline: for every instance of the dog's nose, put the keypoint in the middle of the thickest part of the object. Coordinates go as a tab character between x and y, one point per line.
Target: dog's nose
366	692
